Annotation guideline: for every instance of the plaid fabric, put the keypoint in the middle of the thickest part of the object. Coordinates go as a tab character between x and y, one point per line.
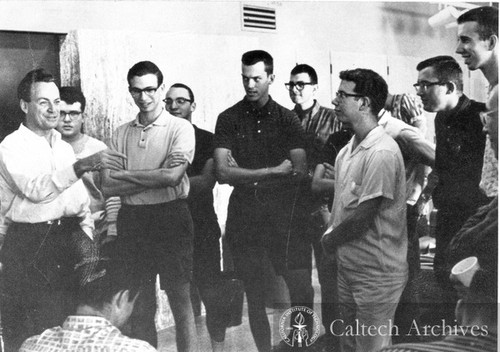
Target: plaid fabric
84	333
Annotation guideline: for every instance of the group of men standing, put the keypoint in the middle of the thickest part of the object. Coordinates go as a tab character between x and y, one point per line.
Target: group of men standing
284	165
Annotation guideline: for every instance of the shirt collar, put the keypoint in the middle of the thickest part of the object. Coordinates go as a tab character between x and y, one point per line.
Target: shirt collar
371	138
313	110
55	136
161	120
73	322
266	108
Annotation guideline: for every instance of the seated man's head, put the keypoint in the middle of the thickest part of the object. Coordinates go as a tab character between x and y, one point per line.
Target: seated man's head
71	113
303	84
439	83
111	291
479	307
180	101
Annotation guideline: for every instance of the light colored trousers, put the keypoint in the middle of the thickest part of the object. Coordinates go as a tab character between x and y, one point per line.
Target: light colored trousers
367	303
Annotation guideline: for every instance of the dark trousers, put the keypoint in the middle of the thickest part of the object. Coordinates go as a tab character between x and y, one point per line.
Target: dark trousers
39	281
159	239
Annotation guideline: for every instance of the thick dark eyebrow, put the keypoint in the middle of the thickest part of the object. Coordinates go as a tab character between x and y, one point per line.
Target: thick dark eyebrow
254	77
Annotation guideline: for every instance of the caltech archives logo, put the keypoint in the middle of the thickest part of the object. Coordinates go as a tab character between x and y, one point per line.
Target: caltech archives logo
296	325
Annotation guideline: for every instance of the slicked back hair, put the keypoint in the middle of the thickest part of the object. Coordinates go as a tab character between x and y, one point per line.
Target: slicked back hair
32	77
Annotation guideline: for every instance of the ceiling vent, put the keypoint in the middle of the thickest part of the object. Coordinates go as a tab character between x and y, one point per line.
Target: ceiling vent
256	18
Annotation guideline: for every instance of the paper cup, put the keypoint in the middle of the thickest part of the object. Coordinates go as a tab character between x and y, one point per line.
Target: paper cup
464	270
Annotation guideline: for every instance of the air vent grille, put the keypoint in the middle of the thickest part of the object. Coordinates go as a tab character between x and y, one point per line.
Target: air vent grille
258	18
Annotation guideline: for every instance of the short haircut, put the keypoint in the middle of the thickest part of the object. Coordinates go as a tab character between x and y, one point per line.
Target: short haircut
32	77
486	18
481	299
446	68
370	84
110	276
144	68
182	85
72	95
252	57
304	68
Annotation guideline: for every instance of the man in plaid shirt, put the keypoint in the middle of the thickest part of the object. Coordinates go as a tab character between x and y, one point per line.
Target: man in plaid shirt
105	304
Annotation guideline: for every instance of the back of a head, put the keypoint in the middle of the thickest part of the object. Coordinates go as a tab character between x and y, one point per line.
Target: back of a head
32	77
486	18
252	57
304	68
109	277
72	95
143	68
446	69
481	299
370	84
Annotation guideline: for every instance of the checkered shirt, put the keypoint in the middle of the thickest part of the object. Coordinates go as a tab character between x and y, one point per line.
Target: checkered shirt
84	333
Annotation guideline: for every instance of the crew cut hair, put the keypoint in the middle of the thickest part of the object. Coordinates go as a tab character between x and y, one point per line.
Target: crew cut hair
32	77
486	18
304	68
370	84
446	69
252	57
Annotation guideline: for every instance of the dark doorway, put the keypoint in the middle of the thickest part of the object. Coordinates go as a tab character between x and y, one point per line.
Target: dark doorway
21	52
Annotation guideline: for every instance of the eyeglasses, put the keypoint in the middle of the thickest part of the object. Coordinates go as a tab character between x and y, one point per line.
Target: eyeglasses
486	116
72	114
178	101
136	92
425	85
299	85
342	95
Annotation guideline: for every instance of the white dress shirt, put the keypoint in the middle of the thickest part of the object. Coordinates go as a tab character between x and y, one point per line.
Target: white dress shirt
38	182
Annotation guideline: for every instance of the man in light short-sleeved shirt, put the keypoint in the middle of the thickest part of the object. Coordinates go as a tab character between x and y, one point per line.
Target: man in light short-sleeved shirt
154	223
367	231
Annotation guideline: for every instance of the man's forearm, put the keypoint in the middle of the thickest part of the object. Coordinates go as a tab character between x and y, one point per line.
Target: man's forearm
117	187
354	226
158	178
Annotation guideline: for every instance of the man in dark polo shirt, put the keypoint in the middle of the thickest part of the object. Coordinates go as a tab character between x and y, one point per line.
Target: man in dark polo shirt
214	289
460	145
259	149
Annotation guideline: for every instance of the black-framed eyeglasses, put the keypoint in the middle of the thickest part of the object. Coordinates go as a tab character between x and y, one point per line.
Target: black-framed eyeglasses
72	114
299	85
178	101
342	95
425	85
136	92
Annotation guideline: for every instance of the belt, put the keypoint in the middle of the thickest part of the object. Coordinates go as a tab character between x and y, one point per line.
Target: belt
56	222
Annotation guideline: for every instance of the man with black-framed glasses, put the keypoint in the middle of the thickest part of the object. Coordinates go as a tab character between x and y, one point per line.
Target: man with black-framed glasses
321	128
367	231
154	223
460	145
71	126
